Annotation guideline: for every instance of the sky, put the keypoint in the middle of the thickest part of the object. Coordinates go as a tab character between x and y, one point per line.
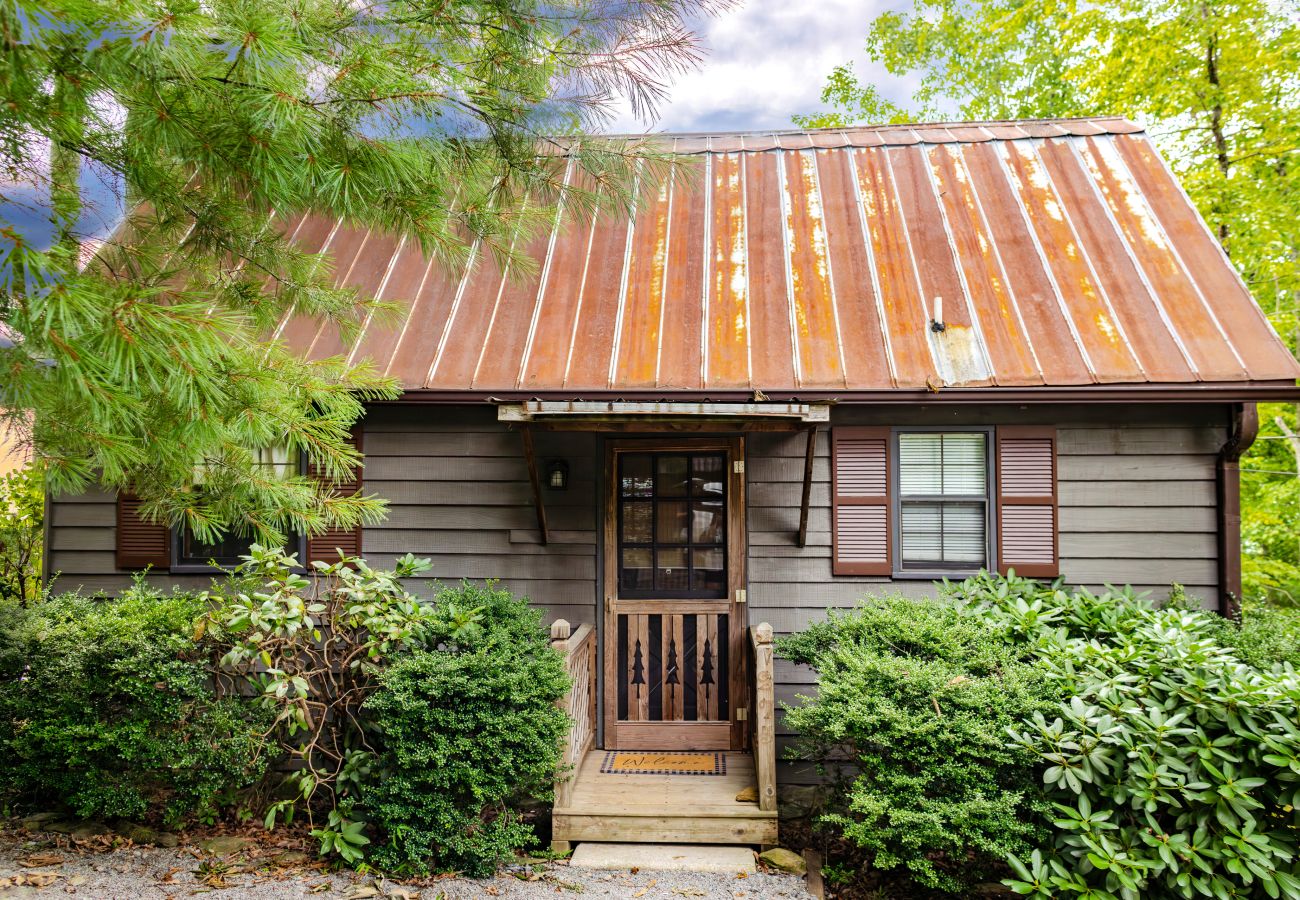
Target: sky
767	61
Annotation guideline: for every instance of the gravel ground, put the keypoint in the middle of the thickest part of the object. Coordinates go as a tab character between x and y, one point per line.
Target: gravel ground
45	866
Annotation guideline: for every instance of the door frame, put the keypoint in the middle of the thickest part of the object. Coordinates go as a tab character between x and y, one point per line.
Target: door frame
735	605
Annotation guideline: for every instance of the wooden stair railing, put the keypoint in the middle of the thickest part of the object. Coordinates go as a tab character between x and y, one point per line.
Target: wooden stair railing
579	650
763	721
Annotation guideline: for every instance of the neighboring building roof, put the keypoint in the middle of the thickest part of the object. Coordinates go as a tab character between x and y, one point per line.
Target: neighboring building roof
1064	252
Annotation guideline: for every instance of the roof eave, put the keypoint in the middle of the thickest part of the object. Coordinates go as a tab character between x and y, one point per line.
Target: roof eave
1204	392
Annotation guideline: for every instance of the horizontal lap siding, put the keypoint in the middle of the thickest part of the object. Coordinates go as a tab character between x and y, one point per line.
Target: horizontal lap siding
1136	491
458	493
1137	505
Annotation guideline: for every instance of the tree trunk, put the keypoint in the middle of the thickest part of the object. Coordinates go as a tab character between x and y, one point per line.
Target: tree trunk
1221	156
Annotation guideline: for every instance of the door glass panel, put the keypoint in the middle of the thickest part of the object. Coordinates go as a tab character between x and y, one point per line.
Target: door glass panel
672	525
637	480
709	569
672	573
707	476
637	569
672	478
708	521
637	523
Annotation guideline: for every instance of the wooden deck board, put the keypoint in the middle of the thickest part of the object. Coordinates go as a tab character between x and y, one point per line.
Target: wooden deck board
660	808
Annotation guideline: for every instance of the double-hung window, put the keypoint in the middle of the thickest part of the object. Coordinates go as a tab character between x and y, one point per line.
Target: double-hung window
942	489
196	555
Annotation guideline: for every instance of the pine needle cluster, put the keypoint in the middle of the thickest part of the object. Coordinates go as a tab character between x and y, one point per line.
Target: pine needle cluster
150	363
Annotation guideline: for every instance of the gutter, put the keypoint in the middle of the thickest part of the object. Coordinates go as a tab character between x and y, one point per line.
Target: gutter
1241	392
1242	430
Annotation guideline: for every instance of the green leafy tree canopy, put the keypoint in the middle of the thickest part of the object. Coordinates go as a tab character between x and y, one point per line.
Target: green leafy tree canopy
1216	82
448	123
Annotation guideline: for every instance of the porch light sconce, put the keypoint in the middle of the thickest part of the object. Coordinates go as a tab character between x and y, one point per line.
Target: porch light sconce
936	323
557	475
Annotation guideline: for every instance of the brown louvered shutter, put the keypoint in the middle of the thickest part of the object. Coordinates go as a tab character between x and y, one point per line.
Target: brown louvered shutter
860	517
140	543
1027	524
326	546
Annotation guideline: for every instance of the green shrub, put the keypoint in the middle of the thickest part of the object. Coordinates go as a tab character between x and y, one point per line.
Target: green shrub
415	725
1173	765
310	650
919	697
106	706
469	729
1267	635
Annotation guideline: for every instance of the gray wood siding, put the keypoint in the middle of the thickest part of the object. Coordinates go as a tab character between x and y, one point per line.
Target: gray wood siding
1136	485
458	493
1137	506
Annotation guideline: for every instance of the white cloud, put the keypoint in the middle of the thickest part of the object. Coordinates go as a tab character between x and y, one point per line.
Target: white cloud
767	61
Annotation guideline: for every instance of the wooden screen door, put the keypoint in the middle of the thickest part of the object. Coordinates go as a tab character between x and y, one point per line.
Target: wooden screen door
674	603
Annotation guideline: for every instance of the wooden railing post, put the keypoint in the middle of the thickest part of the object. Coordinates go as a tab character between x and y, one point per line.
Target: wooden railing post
579	650
560	631
764	724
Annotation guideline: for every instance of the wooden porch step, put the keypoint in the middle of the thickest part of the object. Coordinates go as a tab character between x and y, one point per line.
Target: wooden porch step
656	809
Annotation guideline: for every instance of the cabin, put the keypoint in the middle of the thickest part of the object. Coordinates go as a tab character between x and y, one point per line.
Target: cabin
814	365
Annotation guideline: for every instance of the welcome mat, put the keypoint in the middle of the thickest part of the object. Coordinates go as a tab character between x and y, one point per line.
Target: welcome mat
654	762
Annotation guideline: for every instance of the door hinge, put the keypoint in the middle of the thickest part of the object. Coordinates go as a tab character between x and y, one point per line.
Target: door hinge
738	466
740	595
742	713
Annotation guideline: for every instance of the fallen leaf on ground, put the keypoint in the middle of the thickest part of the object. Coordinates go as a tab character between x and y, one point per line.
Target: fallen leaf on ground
401	893
566	885
689	892
361	891
41	879
36	860
320	888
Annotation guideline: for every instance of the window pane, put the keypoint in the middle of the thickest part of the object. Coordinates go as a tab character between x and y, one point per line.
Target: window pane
672	573
944	534
637	480
943	463
920	463
963	533
637	523
278	459
671	527
964	464
922	533
637	571
709	572
227	550
707	520
672	476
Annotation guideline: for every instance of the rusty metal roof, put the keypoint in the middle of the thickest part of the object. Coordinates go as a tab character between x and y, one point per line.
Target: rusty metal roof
1064	253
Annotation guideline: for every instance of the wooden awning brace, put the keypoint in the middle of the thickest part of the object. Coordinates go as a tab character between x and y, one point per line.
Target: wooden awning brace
620	416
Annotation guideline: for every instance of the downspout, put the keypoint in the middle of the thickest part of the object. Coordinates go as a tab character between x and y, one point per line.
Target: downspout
1241	434
47	513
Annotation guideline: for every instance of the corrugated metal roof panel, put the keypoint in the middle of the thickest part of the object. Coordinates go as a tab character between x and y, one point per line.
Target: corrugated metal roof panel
1062	253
